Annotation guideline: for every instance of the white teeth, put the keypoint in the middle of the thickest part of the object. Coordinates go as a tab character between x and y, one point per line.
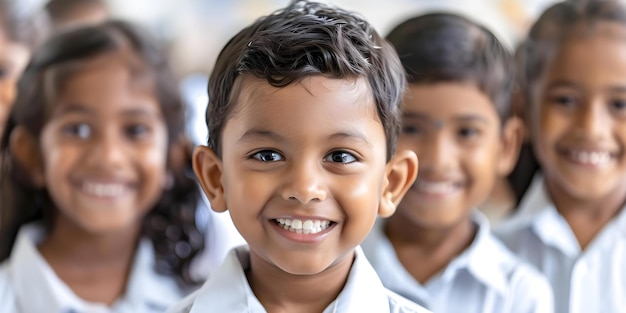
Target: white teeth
104	190
436	188
595	158
306	227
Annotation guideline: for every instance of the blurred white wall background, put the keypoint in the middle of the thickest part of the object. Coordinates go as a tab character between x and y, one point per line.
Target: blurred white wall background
197	29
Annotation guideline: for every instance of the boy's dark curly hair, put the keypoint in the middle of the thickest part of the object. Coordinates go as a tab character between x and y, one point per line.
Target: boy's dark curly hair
306	39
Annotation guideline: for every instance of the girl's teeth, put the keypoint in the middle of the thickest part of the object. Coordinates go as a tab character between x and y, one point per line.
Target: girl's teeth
104	190
303	227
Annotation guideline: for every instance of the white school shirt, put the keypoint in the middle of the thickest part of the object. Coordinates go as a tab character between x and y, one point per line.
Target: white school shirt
29	285
593	280
485	278
228	291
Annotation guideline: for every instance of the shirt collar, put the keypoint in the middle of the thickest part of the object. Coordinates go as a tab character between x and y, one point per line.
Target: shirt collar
32	275
538	213
483	258
480	260
227	289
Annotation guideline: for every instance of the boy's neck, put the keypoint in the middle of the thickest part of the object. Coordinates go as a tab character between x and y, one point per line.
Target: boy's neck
587	217
94	266
425	251
279	291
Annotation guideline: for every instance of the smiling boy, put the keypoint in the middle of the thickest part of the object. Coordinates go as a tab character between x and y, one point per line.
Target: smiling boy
437	250
303	119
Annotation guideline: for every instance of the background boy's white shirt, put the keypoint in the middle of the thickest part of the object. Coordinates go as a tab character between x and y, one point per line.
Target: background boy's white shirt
593	280
485	278
228	291
29	285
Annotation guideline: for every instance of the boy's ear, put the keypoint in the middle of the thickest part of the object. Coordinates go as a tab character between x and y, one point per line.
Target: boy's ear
400	174
208	169
510	145
24	149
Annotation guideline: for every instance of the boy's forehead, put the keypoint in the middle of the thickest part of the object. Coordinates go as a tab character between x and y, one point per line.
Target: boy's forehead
457	100
324	101
248	89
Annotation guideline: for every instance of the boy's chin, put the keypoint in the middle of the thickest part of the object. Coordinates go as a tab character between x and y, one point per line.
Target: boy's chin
301	264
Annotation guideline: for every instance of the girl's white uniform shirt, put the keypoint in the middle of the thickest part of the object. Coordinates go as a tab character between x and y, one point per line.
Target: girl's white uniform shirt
593	280
227	291
29	285
485	278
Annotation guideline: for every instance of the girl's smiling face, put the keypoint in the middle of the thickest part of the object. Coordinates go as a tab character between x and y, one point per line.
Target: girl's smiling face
579	124
104	147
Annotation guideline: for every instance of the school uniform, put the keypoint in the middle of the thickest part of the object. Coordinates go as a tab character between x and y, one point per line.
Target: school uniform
29	285
486	277
593	280
228	291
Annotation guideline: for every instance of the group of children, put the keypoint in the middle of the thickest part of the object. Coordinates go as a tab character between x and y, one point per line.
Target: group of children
351	164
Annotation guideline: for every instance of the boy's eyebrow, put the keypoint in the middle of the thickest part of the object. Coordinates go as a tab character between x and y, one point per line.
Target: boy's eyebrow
438	123
255	134
471	118
351	135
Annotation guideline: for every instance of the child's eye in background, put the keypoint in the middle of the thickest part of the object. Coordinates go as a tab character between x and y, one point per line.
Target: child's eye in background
563	100
4	71
468	132
340	157
618	104
411	130
136	130
268	156
80	130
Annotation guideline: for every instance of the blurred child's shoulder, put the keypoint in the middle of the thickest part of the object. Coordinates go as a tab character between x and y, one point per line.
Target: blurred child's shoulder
7	292
519	282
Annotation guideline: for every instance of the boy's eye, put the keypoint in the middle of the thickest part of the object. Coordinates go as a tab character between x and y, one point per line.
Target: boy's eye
340	157
468	132
268	156
79	130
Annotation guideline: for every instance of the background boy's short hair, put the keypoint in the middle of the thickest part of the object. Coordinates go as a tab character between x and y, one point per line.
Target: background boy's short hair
444	47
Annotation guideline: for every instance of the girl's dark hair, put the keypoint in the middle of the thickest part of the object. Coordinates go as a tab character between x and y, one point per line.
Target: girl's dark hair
302	40
555	25
445	47
171	223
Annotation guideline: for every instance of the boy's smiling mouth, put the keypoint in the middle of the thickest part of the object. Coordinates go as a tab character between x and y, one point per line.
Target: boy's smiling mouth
306	226
437	188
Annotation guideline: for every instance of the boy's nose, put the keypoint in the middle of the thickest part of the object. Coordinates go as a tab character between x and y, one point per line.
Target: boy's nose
439	154
304	183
